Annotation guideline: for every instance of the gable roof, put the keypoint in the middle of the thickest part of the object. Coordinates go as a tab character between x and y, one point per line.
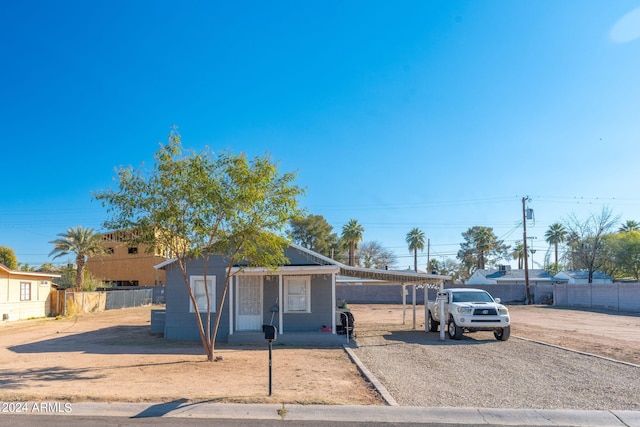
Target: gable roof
27	273
511	275
360	272
394	276
534	273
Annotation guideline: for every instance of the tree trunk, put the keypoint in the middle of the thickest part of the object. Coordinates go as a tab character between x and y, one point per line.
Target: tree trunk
351	251
80	271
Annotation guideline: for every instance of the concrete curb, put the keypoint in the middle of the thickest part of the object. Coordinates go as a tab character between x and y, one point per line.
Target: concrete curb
371	378
367	414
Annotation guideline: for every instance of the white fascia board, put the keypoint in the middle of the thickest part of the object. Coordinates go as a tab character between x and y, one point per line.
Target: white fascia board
43	276
296	269
165	263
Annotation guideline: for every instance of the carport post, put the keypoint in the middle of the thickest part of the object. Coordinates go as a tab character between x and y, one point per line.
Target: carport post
442	313
404	304
414	305
426	306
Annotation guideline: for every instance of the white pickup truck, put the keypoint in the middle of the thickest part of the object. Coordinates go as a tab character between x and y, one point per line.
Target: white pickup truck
469	310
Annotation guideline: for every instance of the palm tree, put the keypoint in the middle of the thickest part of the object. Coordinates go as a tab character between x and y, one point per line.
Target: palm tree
518	253
415	240
352	235
83	242
556	234
629	225
485	242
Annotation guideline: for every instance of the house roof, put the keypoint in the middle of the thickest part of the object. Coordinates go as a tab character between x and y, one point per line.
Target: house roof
387	276
392	276
27	273
581	275
534	273
514	274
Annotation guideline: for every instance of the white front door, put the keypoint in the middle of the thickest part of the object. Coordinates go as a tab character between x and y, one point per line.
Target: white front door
249	303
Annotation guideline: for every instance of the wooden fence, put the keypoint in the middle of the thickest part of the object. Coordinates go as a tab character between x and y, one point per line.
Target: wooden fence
71	301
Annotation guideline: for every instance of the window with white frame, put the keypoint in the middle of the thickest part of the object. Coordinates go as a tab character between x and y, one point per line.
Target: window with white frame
297	294
200	292
25	291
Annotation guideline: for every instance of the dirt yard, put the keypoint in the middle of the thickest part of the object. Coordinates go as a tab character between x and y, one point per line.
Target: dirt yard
110	356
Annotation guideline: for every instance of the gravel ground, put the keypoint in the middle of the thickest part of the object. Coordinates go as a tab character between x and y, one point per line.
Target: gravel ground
478	371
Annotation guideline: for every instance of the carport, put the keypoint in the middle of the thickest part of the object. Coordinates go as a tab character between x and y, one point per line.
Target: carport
393	277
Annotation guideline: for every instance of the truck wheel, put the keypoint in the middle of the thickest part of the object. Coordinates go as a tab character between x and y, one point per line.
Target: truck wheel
455	332
502	334
431	324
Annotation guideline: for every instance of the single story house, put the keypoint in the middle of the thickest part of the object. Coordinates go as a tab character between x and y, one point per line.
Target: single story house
504	275
24	294
298	298
581	277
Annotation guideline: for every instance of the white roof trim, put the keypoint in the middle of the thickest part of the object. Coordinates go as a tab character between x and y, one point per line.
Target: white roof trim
28	273
165	263
307	269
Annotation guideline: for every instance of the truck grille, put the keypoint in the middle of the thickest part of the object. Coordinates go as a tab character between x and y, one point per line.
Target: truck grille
485	312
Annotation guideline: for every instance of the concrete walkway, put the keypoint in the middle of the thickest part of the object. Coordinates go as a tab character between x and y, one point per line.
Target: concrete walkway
369	414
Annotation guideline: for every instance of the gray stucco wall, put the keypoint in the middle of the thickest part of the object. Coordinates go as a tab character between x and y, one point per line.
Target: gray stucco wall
180	324
321	306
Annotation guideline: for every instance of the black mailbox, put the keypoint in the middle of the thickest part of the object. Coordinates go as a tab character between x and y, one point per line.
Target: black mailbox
269	332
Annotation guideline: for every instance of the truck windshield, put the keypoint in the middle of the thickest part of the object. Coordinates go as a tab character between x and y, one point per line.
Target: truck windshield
471	297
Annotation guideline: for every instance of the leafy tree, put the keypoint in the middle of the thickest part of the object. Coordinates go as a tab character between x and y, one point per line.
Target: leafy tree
555	235
8	258
480	247
198	204
588	245
314	232
447	267
351	237
553	268
415	240
26	267
48	267
629	225
83	242
625	250
67	276
373	255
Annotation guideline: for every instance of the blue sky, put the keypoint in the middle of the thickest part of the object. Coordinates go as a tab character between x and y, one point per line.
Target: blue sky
440	115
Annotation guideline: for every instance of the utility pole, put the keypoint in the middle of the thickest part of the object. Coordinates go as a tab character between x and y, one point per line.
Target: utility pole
428	256
526	256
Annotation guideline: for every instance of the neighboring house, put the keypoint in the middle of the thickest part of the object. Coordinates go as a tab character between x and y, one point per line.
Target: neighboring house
125	265
24	294
581	277
504	275
299	298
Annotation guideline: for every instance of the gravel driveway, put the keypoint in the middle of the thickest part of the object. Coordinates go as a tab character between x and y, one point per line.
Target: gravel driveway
478	371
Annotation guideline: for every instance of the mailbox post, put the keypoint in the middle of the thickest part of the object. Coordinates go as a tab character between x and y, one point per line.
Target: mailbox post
270	336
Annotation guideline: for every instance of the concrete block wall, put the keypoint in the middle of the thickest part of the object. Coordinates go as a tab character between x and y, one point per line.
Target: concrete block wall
616	296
